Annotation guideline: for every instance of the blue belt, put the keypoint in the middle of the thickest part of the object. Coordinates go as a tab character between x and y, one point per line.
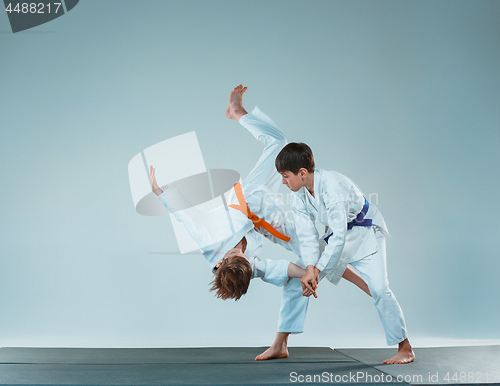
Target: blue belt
359	221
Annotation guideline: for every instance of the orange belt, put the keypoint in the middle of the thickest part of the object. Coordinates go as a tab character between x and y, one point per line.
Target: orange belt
257	221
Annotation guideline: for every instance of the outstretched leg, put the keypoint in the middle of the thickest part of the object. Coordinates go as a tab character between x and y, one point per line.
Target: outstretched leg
235	108
374	272
293	311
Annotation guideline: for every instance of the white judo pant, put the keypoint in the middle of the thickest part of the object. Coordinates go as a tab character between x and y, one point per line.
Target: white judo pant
373	270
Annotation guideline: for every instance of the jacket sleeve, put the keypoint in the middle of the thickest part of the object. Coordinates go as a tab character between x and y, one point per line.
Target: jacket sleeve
337	222
193	220
306	232
271	271
265	131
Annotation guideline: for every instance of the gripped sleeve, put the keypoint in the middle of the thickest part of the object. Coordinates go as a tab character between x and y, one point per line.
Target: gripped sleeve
271	271
337	222
306	232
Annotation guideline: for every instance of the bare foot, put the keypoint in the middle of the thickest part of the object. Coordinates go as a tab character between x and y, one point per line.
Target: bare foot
235	108
273	353
405	354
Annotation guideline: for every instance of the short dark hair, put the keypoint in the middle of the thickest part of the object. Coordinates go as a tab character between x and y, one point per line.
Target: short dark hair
295	156
232	278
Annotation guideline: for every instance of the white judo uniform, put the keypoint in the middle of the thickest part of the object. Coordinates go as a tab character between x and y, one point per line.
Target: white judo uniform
259	189
337	201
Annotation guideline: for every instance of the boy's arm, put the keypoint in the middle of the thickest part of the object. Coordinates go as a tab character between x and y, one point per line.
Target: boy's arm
337	208
264	130
308	235
294	271
197	223
349	274
271	271
309	245
152	182
337	221
306	232
277	272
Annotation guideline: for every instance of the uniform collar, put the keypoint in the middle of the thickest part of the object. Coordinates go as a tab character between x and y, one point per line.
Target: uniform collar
317	176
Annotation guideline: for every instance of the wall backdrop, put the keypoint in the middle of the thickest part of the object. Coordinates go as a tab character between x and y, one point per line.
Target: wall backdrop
401	96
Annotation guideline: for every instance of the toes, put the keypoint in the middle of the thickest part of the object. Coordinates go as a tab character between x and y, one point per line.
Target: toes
260	356
397	361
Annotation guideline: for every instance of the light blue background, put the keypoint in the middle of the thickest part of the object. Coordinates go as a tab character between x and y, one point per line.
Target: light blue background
401	96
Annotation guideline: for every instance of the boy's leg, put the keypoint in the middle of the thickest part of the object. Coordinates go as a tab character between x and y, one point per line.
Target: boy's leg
293	313
291	318
279	348
355	278
373	269
235	109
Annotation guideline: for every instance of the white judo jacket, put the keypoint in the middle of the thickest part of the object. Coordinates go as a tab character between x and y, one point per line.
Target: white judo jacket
337	201
259	189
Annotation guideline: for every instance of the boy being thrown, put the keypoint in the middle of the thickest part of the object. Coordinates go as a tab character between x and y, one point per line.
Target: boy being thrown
356	237
257	212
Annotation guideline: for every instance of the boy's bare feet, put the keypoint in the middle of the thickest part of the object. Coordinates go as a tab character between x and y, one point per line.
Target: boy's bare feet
235	109
405	354
277	350
273	353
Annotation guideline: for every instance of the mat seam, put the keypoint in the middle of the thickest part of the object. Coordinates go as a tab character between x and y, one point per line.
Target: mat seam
169	363
373	367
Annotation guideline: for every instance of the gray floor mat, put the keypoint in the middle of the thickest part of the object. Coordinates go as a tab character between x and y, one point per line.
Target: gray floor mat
257	373
437	365
235	366
160	355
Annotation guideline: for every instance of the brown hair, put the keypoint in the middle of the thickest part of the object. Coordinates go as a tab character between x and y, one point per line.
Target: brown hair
232	278
295	156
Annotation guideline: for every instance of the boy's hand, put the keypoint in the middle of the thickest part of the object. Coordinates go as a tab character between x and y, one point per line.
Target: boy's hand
308	293
152	181
310	281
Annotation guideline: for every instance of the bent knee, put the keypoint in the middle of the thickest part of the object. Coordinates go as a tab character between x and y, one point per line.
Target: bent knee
380	292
